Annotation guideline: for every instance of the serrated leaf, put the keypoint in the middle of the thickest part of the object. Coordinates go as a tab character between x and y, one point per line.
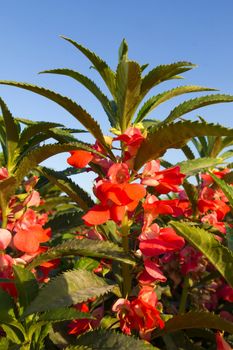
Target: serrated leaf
128	84
77	347
227	189
194	166
69	288
174	135
104	70
86	263
38	155
200	319
73	190
155	101
162	73
35	129
65	221
218	255
106	339
26	284
91	86
196	103
62	314
77	111
84	247
188	152
12	134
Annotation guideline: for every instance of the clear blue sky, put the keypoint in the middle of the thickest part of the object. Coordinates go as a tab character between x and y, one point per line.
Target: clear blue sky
157	32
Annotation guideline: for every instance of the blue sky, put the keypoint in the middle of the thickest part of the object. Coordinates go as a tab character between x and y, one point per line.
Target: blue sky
157	32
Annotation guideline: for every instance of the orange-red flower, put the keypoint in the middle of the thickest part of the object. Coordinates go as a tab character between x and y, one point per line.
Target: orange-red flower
80	158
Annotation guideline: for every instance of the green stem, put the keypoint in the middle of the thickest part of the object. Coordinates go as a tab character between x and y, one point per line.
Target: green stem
184	295
126	273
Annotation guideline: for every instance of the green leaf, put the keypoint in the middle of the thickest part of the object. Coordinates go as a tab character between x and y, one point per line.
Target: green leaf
4	343
227	189
13	334
75	192
106	339
162	73
155	101
38	155
174	135
84	247
26	284
12	135
6	306
200	319
65	221
194	166
195	103
73	108
77	347
128	84
123	51
106	73
188	152
63	314
91	86
86	263
218	255
35	129
69	288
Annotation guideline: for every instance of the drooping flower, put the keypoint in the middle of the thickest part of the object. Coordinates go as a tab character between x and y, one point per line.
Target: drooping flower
164	181
140	313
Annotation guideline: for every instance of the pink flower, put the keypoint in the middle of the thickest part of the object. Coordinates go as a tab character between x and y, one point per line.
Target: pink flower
5	238
3	173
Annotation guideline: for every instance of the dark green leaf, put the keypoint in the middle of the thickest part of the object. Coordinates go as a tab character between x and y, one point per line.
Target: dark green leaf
106	73
174	136
68	289
106	339
195	103
75	192
35	129
155	101
128	84
77	111
26	284
194	166
91	86
84	247
65	221
38	155
63	314
12	135
6	306
162	73
194	319
219	255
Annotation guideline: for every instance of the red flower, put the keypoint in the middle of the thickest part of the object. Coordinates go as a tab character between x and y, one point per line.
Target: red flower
140	313
164	181
80	158
116	196
157	241
221	342
29	240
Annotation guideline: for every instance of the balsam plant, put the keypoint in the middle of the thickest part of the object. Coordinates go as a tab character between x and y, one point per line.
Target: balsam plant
145	265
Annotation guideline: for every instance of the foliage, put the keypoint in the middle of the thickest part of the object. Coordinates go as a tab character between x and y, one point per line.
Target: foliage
145	265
